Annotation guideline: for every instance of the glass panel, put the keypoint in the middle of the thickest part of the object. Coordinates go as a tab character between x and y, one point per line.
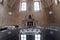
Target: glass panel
36	5
23	6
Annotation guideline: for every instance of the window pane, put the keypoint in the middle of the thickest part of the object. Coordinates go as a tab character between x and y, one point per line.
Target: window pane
36	5
23	6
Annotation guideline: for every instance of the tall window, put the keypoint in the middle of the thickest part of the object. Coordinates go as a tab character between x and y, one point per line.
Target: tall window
22	6
37	37
36	6
23	37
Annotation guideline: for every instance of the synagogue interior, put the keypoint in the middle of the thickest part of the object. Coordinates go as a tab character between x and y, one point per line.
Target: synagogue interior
29	19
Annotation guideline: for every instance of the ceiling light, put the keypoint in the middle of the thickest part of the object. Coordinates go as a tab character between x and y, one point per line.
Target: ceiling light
50	12
10	13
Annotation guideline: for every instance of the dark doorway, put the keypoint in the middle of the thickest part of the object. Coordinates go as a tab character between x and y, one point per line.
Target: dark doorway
30	37
30	23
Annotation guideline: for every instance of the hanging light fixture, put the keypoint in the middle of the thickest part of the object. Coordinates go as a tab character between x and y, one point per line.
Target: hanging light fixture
50	12
10	13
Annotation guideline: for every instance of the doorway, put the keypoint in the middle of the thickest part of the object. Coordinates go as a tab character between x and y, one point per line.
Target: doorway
30	23
30	37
